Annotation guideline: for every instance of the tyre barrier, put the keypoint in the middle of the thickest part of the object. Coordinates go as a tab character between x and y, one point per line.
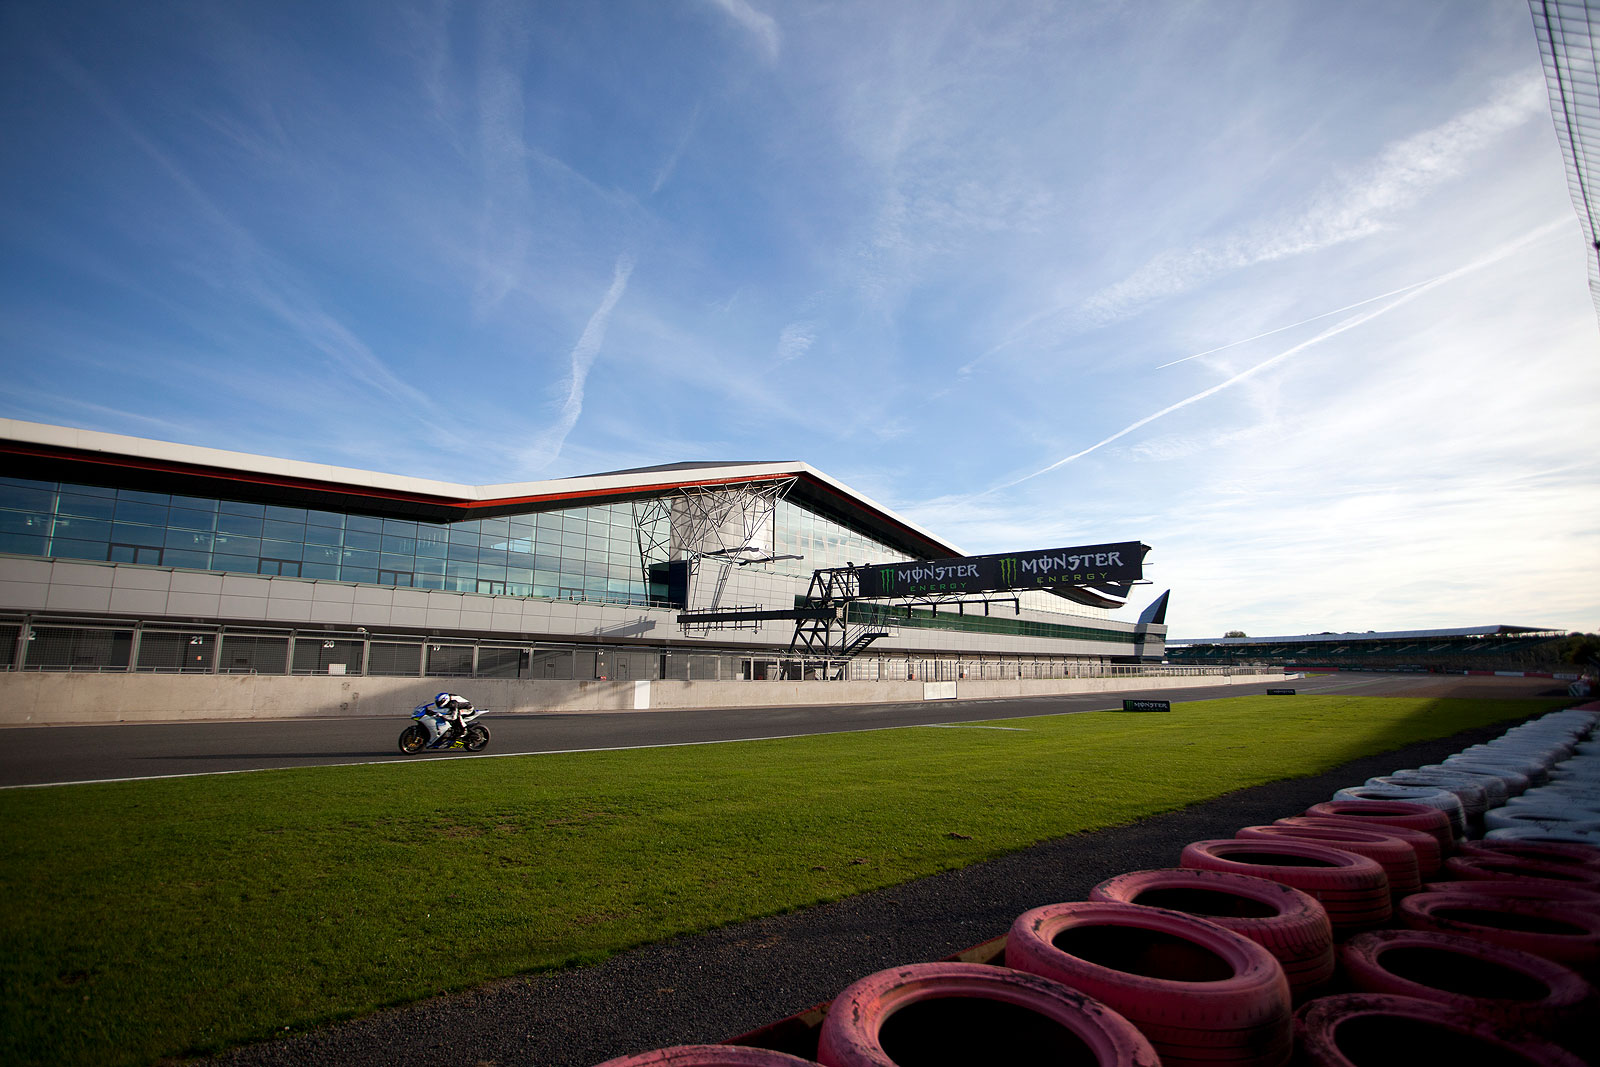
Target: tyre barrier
1361	1029
1474	797
1557	854
1547	928
1352	889
1543	816
1501	985
1201	994
974	1013
1494	787
1397	858
1575	898
1425	845
710	1056
1535	833
1281	919
1391	813
1428	796
1515	781
1465	867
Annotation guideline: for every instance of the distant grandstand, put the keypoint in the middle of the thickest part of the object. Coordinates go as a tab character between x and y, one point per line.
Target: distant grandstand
1480	648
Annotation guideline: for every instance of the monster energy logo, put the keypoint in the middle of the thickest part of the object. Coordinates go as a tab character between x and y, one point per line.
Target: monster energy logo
1008	571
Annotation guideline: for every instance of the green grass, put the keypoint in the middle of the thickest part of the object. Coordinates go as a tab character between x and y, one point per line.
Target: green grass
146	919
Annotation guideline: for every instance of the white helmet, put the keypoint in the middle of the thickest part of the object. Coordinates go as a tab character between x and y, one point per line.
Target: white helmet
442	699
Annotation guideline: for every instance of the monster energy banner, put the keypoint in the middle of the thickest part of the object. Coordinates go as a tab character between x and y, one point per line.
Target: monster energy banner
1050	568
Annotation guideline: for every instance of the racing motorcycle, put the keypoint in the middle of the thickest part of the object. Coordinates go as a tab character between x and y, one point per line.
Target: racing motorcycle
472	736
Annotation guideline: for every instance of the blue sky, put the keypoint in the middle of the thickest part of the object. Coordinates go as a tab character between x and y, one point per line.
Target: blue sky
1293	292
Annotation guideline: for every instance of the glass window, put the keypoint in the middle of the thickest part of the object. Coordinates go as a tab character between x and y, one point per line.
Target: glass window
177	557
359	574
133	554
295	515
392	561
460	569
282	549
239	507
189	539
322	554
283	530
365	540
500	528
129	534
460	535
428	566
354	558
135	497
323	535
23	544
319	570
195	503
220	562
141	512
24	498
463	552
428	581
84	528
237	546
246	525
400	527
404	546
325	518
433	549
91	507
190	519
63	548
364	523
25	522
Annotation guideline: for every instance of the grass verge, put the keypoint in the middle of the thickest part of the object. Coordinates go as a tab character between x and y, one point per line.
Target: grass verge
146	919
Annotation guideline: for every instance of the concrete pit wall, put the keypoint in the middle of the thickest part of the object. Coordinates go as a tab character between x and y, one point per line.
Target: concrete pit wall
40	698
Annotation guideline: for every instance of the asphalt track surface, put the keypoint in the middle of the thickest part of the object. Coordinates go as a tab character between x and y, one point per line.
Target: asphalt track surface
47	755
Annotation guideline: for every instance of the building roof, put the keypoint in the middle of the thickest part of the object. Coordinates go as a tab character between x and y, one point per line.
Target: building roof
1370	635
62	453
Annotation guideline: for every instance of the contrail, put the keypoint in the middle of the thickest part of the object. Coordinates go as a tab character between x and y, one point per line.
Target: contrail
1292	325
1409	294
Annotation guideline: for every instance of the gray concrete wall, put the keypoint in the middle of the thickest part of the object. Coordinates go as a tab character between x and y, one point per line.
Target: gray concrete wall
28	697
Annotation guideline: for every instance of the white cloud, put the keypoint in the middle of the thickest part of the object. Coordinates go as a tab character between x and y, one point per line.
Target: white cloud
796	340
582	355
763	28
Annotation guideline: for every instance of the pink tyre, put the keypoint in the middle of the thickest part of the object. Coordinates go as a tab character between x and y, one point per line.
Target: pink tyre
1573	897
1281	919
1397	858
1552	929
1424	844
1361	1029
1395	813
1494	983
974	1013
1201	994
1478	868
710	1056
1548	852
1352	889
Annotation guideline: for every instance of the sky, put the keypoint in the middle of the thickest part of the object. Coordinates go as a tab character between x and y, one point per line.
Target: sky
1293	292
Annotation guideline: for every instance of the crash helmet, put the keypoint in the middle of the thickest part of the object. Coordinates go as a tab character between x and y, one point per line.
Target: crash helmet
442	699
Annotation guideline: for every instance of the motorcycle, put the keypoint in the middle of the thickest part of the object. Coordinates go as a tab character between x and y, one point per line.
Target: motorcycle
472	736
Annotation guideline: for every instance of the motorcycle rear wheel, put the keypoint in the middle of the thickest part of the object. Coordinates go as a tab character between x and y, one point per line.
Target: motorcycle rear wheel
413	739
476	738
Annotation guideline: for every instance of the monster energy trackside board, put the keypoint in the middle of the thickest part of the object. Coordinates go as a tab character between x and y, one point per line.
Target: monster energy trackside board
1042	569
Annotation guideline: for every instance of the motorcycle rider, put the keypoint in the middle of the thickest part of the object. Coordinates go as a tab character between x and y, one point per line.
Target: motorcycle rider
448	707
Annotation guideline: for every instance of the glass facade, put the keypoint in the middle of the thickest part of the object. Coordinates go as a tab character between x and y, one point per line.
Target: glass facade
588	553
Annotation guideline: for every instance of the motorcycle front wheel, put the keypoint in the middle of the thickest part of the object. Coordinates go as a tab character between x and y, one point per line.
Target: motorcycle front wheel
477	737
413	739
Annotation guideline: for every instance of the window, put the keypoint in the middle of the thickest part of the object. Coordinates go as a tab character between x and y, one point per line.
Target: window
286	568
395	578
119	553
